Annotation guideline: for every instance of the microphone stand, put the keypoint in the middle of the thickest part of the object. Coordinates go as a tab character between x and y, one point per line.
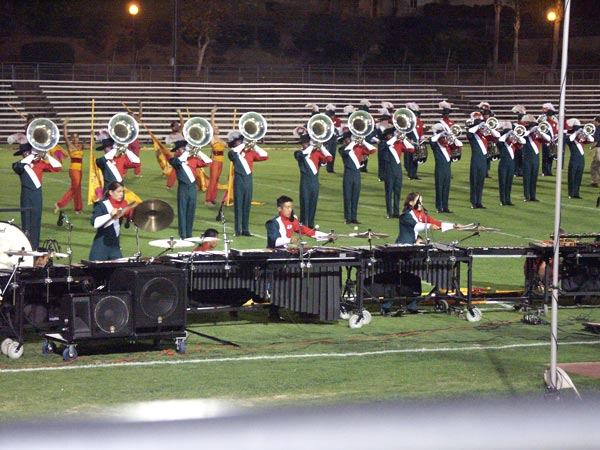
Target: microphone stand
226	241
138	254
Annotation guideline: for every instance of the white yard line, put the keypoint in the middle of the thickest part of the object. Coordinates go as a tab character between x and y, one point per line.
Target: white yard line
284	357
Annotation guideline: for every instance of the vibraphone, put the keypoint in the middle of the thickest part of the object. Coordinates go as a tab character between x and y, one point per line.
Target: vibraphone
305	280
435	263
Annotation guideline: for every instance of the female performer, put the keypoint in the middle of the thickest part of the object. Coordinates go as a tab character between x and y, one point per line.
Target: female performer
107	217
75	148
414	219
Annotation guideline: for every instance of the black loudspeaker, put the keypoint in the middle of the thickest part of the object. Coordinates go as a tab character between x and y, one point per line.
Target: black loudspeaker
159	295
100	315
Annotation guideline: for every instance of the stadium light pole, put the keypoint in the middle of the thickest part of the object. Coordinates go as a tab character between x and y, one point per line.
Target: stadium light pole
552	17
133	9
174	38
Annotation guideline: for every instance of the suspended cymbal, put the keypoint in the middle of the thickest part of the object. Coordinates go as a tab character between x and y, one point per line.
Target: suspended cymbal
171	243
369	235
200	239
153	215
475	227
58	255
24	253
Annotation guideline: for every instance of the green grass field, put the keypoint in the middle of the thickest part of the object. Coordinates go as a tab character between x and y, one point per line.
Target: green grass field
428	356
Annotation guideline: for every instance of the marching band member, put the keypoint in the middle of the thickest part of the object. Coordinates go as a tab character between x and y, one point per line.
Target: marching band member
383	123
174	136
332	143
392	148
442	143
416	136
243	157
576	140
113	163
531	157
135	146
106	218
185	165
217	146
30	170
508	144
281	228
547	153
415	219
75	148
352	156
595	165
479	136
310	159
486	113
520	111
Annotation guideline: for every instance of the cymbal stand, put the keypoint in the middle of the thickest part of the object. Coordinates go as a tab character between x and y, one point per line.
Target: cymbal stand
226	241
138	254
69	250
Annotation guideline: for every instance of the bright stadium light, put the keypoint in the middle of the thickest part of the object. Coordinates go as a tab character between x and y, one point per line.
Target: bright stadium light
551	15
133	9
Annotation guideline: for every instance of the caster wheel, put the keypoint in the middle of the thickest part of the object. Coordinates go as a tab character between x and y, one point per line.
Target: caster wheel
474	315
5	344
355	321
48	347
180	346
366	317
441	306
70	353
344	314
15	350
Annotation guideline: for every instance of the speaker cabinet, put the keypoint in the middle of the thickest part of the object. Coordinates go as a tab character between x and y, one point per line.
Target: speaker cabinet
159	295
100	315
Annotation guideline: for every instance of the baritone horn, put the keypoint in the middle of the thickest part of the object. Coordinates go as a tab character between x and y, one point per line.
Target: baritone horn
589	129
197	132
361	124
42	134
520	130
253	126
123	129
320	128
404	120
544	127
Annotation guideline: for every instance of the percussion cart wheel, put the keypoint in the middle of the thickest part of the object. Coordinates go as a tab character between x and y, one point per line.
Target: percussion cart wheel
356	321
344	313
5	344
180	345
366	317
48	347
70	353
15	350
474	314
441	306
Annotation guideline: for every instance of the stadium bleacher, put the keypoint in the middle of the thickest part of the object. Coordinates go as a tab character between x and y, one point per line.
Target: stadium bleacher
283	105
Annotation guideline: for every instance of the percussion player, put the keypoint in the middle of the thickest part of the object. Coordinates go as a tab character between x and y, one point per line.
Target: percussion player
106	218
281	228
208	244
413	220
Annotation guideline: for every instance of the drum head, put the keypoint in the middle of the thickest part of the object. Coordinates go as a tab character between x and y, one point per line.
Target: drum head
13	239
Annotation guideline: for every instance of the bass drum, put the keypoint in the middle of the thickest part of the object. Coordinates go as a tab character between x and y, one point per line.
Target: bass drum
13	239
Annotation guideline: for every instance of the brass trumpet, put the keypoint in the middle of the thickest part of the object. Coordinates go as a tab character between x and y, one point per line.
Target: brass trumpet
588	129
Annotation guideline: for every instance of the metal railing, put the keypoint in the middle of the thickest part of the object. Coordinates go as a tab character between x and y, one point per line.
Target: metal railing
316	74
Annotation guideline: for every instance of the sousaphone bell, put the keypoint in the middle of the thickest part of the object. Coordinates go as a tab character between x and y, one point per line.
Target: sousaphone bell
42	134
123	129
361	124
320	128
197	132
253	126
